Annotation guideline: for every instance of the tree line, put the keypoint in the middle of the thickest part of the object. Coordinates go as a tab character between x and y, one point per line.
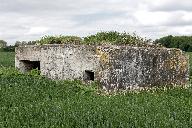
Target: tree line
182	42
11	48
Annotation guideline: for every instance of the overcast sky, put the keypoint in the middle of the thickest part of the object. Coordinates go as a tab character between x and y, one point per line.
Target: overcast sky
32	19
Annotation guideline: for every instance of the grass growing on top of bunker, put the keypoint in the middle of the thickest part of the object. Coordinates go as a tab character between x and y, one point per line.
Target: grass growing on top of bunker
111	37
33	101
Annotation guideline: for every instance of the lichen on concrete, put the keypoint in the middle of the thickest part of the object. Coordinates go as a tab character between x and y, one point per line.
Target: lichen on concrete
115	67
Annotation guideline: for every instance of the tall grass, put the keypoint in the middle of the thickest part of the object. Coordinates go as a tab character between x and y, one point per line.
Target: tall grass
190	62
109	37
32	101
27	101
7	59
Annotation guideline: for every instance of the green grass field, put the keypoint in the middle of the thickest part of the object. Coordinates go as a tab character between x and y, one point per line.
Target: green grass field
29	101
190	62
7	59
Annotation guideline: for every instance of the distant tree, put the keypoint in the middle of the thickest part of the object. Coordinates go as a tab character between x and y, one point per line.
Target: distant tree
24	43
20	43
3	44
8	49
182	42
31	43
17	43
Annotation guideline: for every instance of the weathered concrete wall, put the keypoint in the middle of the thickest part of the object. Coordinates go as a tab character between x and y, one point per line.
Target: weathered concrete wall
115	67
59	61
133	67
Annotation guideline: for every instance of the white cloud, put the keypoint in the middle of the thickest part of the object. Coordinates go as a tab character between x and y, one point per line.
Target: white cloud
151	18
37	30
29	20
169	5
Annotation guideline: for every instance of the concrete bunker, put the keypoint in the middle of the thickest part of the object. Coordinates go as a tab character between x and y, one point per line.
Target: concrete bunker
113	66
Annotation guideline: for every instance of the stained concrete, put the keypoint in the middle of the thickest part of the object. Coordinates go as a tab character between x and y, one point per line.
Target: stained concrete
115	67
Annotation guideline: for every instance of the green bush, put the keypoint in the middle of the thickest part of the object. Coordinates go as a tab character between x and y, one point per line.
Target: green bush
9	71
182	42
114	37
8	49
34	72
111	37
59	40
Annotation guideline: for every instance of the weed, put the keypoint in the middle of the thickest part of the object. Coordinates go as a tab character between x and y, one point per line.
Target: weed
100	38
31	101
